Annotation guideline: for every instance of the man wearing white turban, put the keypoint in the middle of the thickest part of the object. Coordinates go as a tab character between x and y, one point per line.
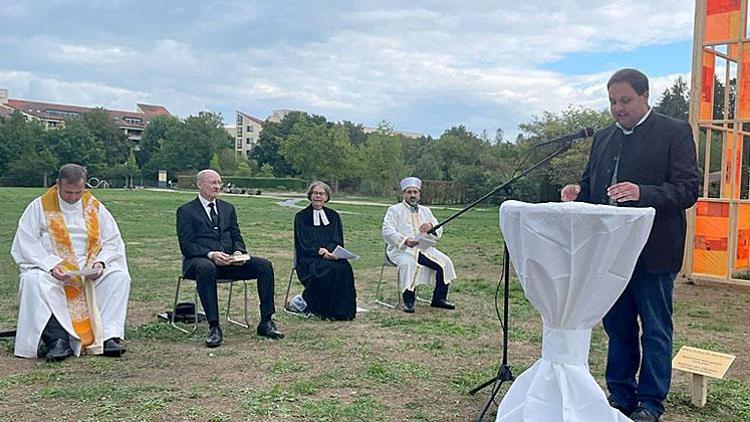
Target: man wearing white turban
403	224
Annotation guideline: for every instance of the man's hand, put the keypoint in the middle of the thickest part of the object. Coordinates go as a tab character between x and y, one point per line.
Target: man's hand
424	228
569	193
329	256
624	191
99	268
411	243
221	259
59	273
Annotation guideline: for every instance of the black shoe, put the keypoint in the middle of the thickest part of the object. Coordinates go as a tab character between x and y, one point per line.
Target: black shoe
643	415
213	339
625	410
409	307
442	304
114	347
60	350
268	329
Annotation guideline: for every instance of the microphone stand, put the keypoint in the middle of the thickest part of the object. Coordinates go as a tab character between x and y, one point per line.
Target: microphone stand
504	373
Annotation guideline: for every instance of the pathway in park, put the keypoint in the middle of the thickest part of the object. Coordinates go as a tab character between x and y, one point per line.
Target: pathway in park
291	199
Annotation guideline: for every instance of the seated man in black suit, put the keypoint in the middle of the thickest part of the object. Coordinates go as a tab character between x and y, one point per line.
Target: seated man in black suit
209	234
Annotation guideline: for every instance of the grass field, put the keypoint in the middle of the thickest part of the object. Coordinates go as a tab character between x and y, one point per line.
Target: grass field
385	365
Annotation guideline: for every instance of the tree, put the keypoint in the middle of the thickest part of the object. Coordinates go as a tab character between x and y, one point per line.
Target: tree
115	143
34	166
16	134
458	147
568	167
675	100
153	136
382	164
75	143
357	135
318	151
190	145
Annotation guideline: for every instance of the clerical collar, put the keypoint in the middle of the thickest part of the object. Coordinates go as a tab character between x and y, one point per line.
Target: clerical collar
319	216
64	205
631	130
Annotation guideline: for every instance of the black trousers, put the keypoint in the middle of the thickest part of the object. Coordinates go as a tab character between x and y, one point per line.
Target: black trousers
53	331
205	273
441	289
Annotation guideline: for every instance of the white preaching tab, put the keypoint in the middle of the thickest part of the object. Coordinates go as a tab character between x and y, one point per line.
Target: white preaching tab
573	261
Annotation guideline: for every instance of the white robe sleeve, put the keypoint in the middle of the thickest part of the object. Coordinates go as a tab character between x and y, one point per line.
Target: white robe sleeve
431	218
113	248
390	231
28	250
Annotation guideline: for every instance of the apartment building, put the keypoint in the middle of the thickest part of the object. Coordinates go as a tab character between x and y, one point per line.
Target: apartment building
247	133
54	115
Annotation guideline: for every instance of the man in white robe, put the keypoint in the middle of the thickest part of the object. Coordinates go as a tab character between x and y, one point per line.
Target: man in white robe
63	233
403	226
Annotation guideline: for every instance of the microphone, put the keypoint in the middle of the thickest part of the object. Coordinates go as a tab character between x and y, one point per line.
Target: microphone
583	133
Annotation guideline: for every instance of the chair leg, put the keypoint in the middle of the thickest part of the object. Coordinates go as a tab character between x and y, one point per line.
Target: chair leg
195	315
304	315
377	292
247	322
229	306
288	289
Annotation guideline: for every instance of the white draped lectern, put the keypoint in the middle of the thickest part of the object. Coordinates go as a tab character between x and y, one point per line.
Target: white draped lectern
573	261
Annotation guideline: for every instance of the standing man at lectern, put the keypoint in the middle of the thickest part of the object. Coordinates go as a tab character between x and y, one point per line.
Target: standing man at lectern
645	159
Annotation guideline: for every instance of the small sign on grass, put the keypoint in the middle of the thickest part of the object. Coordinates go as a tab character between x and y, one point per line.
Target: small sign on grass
702	364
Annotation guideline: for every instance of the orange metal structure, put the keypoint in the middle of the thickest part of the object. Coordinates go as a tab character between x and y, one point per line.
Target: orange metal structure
718	246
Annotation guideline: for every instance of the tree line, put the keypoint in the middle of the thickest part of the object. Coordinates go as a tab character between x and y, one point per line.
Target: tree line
310	147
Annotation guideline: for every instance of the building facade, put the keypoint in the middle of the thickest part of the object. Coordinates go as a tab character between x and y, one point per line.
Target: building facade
247	132
54	115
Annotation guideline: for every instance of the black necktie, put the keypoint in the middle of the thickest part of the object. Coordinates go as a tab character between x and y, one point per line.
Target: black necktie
214	217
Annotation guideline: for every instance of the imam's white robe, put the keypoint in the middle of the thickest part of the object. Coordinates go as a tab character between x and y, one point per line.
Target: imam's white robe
40	295
399	224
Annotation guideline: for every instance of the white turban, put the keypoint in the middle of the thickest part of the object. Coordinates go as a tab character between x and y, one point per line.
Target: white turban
411	182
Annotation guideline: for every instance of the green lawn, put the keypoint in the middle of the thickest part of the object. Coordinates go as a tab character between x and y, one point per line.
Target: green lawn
385	365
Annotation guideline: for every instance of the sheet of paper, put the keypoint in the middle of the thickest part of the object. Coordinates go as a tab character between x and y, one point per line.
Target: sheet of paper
342	253
425	241
83	273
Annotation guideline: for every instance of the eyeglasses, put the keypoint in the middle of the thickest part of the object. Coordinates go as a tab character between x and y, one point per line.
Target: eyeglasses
317	193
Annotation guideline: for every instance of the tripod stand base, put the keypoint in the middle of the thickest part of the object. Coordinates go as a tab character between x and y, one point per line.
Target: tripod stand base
504	374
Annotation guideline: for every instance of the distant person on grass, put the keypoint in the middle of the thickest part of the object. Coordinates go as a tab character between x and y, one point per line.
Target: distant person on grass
209	235
74	282
403	225
329	281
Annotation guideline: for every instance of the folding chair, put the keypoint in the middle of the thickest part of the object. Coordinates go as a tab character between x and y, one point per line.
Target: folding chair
388	263
289	288
180	279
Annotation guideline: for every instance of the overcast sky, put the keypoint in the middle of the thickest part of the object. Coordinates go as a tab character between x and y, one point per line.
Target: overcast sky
422	65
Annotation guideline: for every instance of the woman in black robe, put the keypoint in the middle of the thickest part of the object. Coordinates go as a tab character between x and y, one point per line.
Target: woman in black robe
329	281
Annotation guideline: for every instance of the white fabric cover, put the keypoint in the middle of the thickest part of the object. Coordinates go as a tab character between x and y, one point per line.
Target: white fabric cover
573	261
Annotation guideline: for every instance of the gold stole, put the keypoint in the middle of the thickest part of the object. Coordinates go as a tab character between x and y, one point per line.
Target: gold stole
84	313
